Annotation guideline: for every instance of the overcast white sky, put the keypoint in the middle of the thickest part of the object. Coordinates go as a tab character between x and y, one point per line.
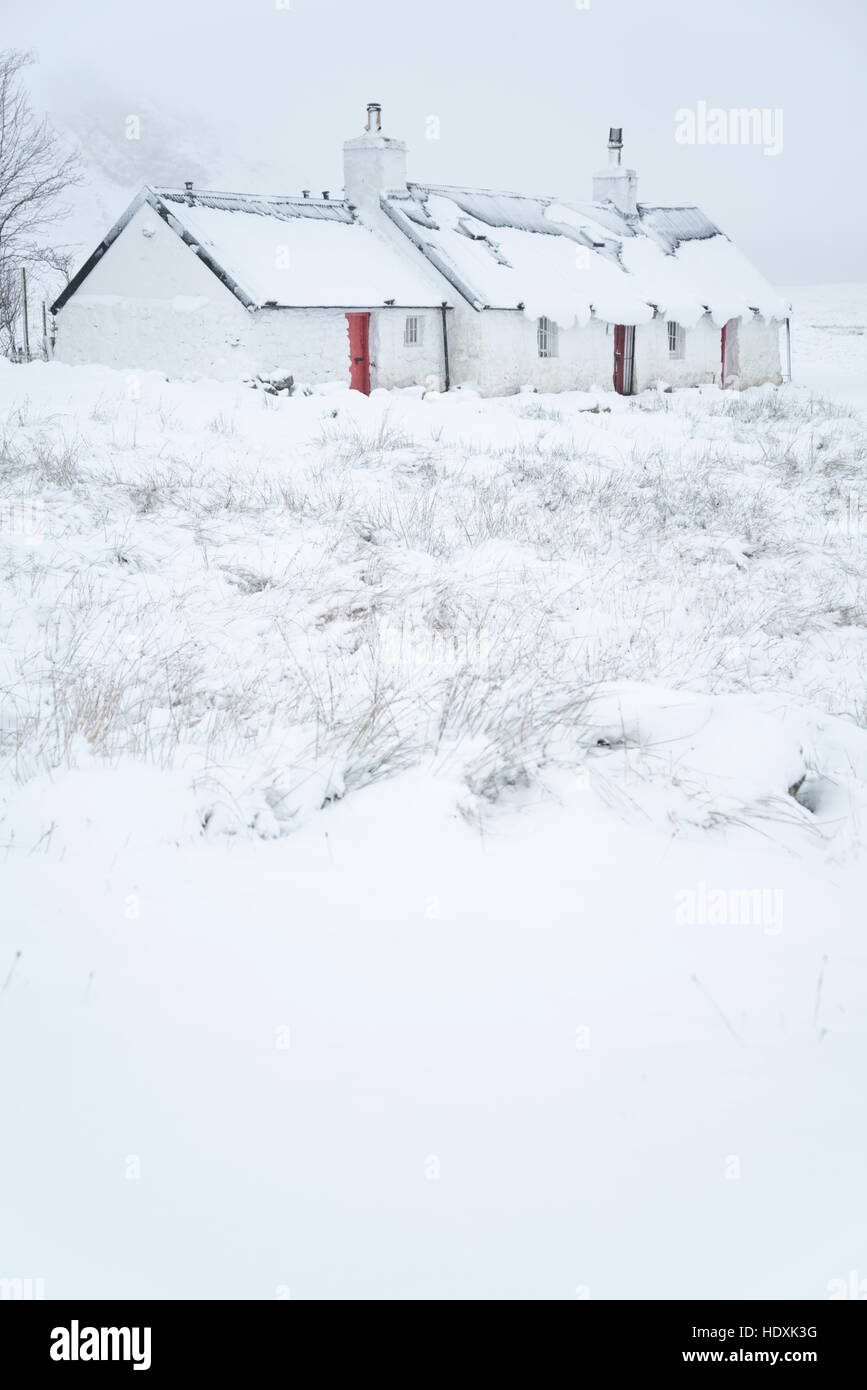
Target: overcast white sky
524	92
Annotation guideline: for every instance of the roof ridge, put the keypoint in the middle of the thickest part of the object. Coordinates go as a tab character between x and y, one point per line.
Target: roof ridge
164	192
552	198
488	192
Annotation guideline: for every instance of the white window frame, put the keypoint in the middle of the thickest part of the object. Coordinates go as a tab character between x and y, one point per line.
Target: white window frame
676	339
412	330
547	338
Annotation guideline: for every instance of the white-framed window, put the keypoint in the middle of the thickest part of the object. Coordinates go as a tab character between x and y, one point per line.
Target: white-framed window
412	330
676	339
546	337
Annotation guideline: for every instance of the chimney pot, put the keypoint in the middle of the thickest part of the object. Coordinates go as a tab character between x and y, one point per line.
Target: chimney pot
374	116
305	193
325	194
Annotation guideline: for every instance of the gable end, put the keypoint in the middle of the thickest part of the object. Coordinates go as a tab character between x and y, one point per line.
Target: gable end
153	200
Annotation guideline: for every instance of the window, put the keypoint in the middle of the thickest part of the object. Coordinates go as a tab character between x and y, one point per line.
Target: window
676	338
412	331
546	337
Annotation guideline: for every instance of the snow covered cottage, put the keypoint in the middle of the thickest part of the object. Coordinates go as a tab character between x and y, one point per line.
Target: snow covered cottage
401	284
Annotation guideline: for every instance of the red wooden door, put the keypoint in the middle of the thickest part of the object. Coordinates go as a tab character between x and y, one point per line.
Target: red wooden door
728	352
359	352
624	352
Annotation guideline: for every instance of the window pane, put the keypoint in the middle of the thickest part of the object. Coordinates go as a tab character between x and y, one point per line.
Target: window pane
546	337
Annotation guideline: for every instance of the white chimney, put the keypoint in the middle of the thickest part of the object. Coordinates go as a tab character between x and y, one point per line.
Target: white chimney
372	163
614	183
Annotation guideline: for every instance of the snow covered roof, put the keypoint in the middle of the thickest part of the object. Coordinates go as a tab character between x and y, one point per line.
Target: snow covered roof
281	252
568	260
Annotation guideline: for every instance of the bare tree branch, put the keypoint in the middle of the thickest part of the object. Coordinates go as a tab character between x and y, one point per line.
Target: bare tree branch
34	173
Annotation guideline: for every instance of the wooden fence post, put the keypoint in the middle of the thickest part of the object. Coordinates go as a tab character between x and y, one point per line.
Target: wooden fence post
26	329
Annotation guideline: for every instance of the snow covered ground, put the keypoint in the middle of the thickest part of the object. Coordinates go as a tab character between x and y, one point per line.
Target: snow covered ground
829	340
433	837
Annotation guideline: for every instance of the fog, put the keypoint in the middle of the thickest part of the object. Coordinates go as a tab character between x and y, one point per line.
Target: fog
516	96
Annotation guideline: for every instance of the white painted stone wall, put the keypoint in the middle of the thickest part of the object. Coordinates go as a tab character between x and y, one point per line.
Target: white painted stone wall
203	338
395	363
758	354
498	351
700	364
